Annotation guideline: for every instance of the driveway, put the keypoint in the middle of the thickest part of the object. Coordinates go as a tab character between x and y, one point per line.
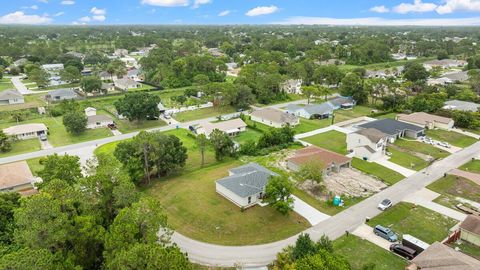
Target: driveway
393	166
309	213
425	197
366	232
45	144
22	88
116	132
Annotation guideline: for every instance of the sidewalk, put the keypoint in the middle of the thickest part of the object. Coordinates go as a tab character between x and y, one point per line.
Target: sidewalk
308	212
401	170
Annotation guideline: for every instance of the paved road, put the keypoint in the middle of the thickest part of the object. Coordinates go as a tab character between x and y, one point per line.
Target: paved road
22	88
333	227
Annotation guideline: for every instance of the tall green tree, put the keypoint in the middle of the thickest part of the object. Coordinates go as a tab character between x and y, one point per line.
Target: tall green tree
222	144
65	168
91	84
309	92
202	143
352	86
138	106
5	142
415	72
278	194
8	203
71	74
75	122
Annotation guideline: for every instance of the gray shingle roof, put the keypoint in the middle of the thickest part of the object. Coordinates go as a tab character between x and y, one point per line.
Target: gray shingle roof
62	93
339	101
390	126
461	105
247	180
10	94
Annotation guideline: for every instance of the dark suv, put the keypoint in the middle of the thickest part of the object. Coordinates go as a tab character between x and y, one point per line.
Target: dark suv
403	251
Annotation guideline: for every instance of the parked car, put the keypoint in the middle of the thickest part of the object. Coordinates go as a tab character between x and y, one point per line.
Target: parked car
403	251
385	204
167	116
385	233
43	137
444	144
112	126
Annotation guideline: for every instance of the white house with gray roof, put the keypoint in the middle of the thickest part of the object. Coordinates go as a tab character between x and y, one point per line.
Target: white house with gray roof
61	94
245	185
9	97
311	111
459	105
274	118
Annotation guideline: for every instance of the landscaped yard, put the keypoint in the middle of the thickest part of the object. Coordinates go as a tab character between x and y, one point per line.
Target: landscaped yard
203	113
453	186
22	146
307	125
357	111
196	210
407	160
451	137
420	222
385	174
332	140
249	135
360	253
472	166
420	147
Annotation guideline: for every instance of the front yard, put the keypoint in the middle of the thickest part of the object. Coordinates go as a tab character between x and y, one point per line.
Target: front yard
332	140
420	222
22	146
472	166
453	138
420	147
360	253
453	186
196	210
385	174
407	160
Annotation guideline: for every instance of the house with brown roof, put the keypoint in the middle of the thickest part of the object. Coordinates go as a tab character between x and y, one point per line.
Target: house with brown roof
274	118
426	120
441	257
470	230
368	143
16	177
231	127
328	160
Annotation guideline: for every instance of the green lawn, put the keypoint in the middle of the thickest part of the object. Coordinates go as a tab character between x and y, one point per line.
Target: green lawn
468	249
331	140
407	160
357	111
203	113
420	222
472	166
361	252
387	175
22	146
6	84
196	210
453	186
35	165
451	137
248	135
126	126
387	116
421	147
260	126
324	206
31	101
307	125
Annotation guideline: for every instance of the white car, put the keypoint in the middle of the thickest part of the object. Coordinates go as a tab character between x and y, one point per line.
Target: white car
385	204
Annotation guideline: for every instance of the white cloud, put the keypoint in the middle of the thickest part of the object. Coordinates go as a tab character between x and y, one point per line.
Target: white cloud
98	11
379	9
417	7
198	3
34	7
375	21
43	1
97	15
61	13
166	3
68	2
85	19
99	18
262	11
19	17
224	13
450	6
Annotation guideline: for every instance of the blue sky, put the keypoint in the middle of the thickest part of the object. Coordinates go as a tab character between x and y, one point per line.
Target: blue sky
338	12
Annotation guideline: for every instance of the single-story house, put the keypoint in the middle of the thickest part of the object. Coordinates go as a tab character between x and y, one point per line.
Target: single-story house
330	161
106	87
245	185
98	121
311	111
445	63
9	97
367	144
231	127
460	105
16	177
134	74
104	76
61	94
460	76
395	129
441	257
439	81
90	111
120	52
426	120
26	131
52	67
292	86
342	103
274	118
470	230
126	83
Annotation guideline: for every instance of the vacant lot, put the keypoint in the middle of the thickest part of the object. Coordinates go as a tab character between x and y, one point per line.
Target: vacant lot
307	125
452	138
472	166
422	148
453	186
357	111
196	210
361	253
203	113
407	160
332	140
388	176
420	222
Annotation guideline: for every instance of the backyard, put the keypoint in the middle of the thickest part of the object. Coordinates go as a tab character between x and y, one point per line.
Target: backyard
249	134
452	187
332	140
357	111
453	138
360	253
203	113
307	125
420	222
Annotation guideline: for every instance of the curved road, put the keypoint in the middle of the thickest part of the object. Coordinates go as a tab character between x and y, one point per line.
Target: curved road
334	227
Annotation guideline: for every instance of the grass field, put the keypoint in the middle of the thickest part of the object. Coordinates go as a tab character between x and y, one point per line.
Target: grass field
332	140
196	210
324	206
203	113
357	111
6	84
34	165
451	137
360	253
451	187
423	148
307	125
388	176
420	222
407	160
248	135
22	146
126	126
472	166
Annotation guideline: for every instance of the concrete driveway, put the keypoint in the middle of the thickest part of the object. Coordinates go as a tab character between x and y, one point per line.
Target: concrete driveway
16	81
366	232
309	213
45	145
